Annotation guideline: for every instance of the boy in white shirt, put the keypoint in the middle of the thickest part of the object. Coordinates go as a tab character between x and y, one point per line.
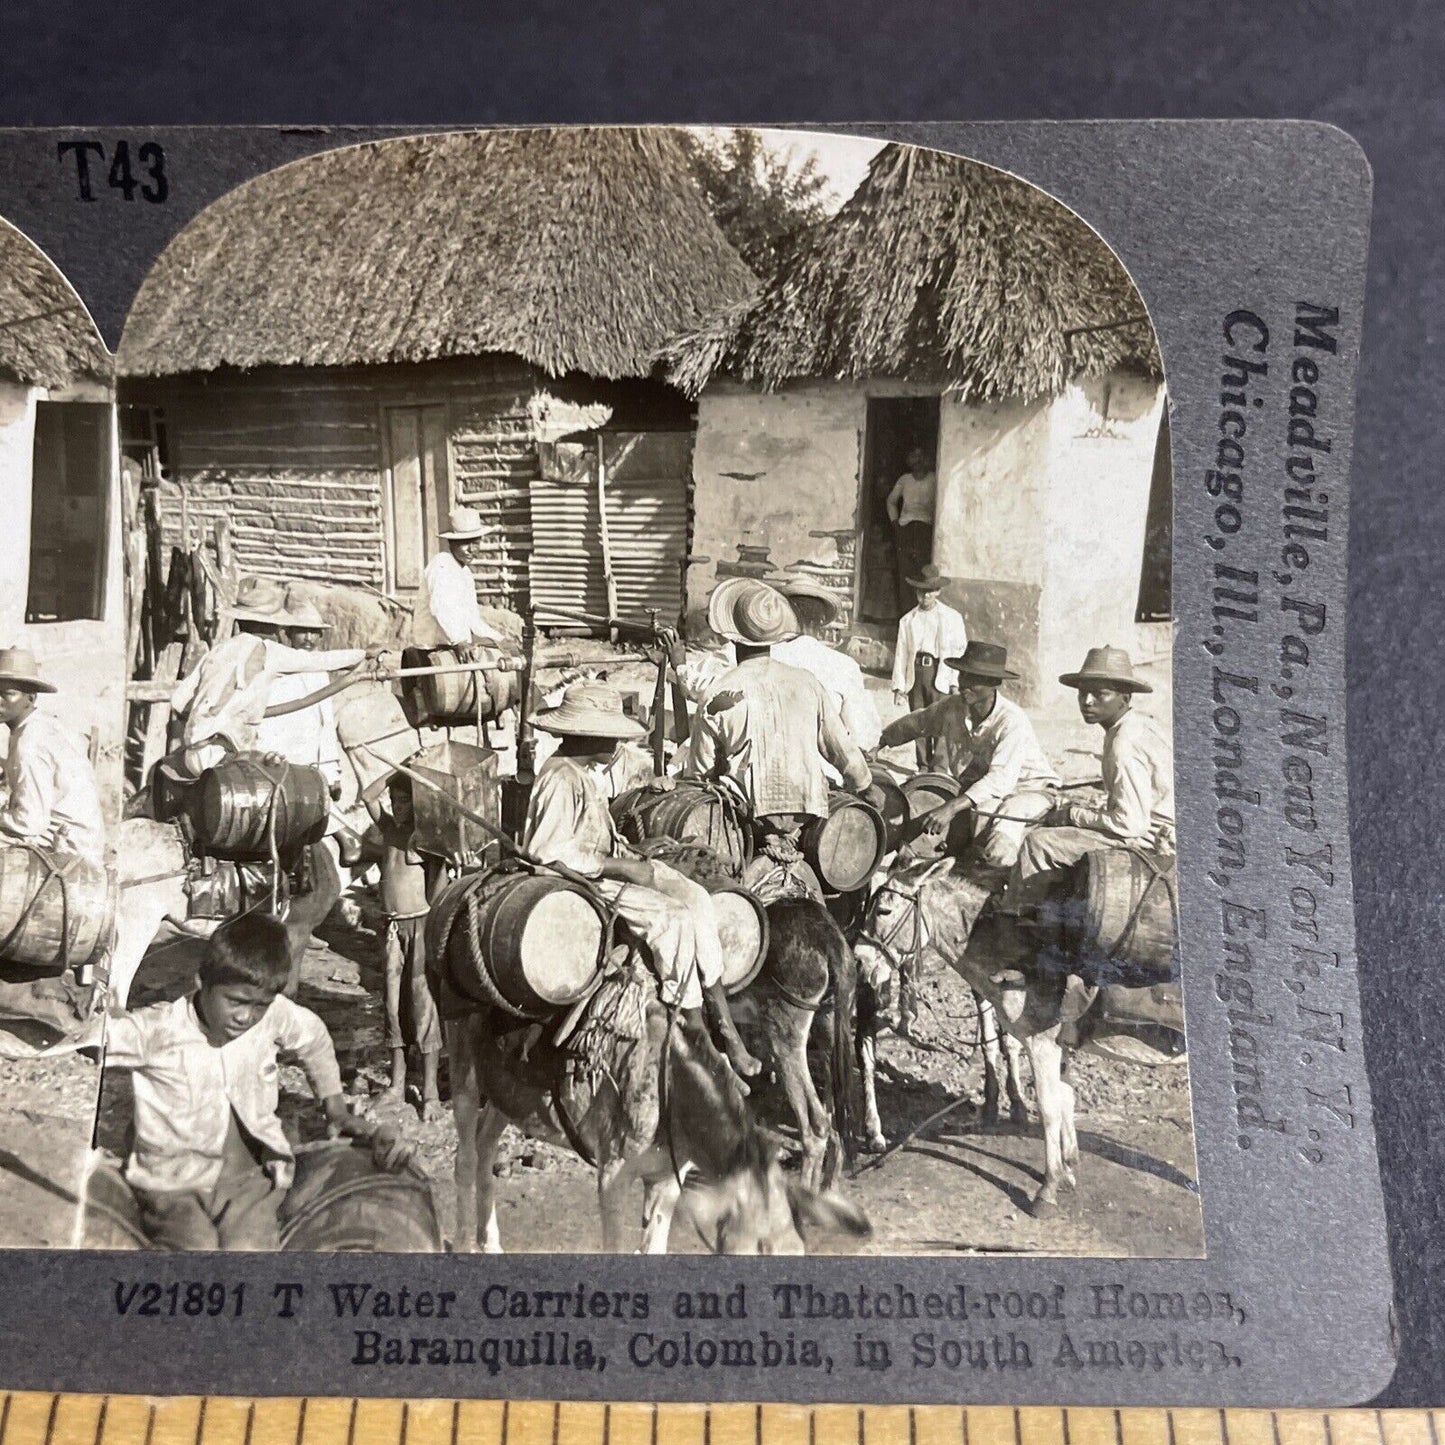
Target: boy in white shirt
930	632
210	1162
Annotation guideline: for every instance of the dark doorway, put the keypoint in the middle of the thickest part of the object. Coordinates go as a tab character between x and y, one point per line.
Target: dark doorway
69	514
895	425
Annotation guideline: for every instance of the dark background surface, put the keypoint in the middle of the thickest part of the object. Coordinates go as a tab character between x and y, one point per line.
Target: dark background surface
1378	70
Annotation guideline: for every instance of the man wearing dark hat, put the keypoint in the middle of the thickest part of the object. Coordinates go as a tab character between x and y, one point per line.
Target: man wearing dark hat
988	743
767	726
51	797
569	823
1138	806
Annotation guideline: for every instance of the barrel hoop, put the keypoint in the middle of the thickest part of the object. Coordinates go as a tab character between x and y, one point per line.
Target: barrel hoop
1157	874
363	1184
52	870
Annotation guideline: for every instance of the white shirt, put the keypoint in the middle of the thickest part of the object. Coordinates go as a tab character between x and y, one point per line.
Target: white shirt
835	670
1004	744
916	497
1139	784
306	737
938	630
452	614
52	799
186	1089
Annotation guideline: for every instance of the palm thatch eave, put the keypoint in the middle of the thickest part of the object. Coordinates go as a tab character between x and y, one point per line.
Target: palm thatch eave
47	337
938	270
577	250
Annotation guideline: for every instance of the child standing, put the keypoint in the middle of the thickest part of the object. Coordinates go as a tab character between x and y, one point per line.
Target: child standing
930	632
409	999
211	1163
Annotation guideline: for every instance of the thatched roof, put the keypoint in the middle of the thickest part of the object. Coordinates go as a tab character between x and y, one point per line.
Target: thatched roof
46	335
937	269
578	250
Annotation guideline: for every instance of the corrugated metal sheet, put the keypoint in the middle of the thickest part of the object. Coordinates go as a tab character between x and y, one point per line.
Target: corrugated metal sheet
648	481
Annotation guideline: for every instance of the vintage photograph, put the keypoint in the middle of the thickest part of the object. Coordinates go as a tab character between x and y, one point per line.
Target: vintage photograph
594	689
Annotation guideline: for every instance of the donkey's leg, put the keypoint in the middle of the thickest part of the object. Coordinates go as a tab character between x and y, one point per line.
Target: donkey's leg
490	1127
868	1067
1013	1053
659	1199
1046	1060
1071	1137
993	1059
787	1034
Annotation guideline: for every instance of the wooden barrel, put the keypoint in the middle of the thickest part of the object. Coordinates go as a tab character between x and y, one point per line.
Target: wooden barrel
1120	922
234	803
895	804
449	699
845	848
927	791
742	920
342	1201
54	912
538	943
686	813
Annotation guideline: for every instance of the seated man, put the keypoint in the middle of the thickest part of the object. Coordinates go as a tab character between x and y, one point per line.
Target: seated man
450	615
767	727
1138	807
988	743
569	823
51	797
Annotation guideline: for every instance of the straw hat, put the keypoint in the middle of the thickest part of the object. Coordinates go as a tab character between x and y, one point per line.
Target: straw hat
930	579
18	669
464	524
590	710
260	599
984	662
793	586
744	610
300	613
1107	667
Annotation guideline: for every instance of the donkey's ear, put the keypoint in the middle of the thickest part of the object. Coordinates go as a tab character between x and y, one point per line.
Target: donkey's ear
828	1210
936	870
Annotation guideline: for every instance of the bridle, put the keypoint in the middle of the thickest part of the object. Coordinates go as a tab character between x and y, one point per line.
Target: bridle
889	944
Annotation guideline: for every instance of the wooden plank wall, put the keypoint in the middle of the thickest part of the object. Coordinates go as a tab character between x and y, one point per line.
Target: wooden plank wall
294	457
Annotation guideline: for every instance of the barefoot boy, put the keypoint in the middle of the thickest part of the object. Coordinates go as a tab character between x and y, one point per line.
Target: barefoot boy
210	1163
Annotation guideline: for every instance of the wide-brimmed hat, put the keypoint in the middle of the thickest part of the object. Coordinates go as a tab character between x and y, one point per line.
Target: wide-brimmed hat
746	610
982	662
590	710
929	579
1107	667
464	524
794	586
260	599
18	669
301	613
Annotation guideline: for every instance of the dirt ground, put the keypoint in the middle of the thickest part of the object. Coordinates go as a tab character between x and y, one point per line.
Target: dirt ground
957	1189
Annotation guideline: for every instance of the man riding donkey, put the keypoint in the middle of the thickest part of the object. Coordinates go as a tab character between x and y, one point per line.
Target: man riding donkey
230	703
51	805
1137	813
769	729
987	742
569	823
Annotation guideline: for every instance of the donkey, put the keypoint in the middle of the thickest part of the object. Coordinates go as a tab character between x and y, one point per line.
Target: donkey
940	909
662	1107
894	936
808	957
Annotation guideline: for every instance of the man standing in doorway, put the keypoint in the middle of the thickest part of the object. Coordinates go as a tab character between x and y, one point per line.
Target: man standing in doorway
911	506
930	632
450	616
